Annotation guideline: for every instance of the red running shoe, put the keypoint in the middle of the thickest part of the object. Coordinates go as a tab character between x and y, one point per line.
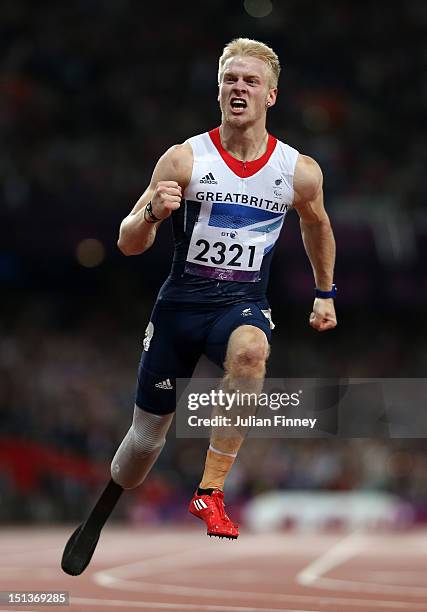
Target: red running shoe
210	508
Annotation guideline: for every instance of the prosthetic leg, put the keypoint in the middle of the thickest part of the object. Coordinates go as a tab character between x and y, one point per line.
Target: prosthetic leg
131	464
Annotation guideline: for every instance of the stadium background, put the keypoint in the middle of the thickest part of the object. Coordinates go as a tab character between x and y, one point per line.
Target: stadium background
91	93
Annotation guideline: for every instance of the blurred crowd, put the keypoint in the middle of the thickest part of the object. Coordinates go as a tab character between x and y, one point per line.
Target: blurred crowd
67	392
91	93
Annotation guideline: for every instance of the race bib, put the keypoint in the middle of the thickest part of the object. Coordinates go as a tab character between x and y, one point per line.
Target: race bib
220	251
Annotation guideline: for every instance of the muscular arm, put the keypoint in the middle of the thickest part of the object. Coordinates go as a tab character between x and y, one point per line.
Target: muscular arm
170	177
317	236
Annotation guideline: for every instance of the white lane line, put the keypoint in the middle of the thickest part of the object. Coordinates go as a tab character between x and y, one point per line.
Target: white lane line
353	586
398	577
114	603
160	563
342	551
154	565
128	578
271	598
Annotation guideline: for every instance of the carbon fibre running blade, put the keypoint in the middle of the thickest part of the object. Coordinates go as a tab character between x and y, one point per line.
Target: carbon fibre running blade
81	545
79	549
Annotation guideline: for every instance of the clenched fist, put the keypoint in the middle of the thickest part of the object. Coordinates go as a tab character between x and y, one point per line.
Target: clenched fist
166	198
323	316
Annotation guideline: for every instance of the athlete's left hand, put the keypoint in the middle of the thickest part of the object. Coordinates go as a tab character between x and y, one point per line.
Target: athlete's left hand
323	316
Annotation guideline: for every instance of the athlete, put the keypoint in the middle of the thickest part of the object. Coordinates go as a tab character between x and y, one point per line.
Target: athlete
228	192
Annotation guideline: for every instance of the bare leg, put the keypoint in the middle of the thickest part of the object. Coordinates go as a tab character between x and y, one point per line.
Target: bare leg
244	366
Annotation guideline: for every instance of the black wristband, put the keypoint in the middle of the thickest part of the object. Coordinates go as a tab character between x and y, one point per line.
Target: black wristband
326	294
148	210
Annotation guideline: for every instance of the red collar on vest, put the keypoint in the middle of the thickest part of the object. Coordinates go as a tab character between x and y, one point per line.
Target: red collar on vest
243	169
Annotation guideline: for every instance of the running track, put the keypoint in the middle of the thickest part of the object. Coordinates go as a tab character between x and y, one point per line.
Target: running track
182	570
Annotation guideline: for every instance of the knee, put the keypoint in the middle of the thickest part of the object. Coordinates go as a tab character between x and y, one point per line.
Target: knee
247	359
252	355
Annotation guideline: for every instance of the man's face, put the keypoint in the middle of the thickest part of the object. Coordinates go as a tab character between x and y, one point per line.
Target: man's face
245	90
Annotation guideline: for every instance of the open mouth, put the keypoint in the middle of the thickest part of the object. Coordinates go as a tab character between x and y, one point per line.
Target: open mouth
238	104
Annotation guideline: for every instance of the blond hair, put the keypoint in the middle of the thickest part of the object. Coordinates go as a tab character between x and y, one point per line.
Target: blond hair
251	48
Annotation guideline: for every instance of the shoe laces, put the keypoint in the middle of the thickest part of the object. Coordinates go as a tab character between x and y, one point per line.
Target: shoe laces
221	509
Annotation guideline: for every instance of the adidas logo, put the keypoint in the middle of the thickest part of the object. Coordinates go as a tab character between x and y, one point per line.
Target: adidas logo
200	504
164	384
209	178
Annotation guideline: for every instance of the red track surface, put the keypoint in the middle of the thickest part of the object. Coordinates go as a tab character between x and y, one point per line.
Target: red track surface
182	570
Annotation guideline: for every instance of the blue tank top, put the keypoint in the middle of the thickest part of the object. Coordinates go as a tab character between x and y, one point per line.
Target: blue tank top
228	223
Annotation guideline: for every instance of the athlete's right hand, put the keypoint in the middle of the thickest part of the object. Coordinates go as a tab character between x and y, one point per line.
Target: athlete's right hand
166	198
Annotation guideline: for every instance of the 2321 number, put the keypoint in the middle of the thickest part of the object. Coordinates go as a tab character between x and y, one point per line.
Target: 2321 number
235	251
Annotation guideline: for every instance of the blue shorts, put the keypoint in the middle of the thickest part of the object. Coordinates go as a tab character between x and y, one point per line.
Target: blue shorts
175	339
